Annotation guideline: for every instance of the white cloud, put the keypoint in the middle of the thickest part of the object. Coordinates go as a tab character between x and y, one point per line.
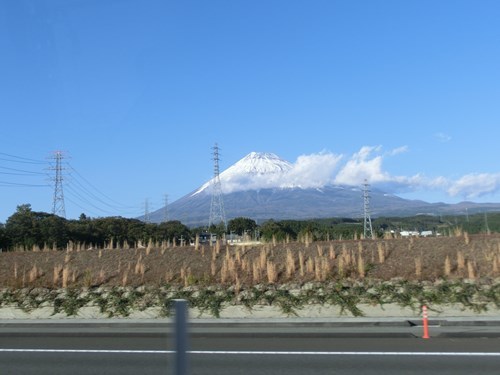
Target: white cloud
442	137
398	150
363	165
312	171
325	168
475	185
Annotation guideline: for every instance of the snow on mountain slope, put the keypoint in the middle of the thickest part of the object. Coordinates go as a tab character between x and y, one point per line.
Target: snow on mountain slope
257	170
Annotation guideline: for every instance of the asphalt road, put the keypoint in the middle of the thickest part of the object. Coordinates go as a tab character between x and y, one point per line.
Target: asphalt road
249	349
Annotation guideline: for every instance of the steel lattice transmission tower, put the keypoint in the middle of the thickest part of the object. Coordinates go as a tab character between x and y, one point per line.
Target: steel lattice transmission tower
368	230
165	208
217	213
147	218
58	207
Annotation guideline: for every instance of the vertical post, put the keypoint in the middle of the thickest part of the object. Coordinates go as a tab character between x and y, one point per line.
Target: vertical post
180	337
426	322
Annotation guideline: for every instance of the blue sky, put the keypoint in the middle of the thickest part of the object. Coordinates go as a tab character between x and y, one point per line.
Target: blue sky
137	92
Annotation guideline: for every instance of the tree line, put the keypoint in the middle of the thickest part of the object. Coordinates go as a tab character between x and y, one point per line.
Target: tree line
27	229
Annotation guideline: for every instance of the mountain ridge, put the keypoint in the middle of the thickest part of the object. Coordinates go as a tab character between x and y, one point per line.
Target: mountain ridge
259	187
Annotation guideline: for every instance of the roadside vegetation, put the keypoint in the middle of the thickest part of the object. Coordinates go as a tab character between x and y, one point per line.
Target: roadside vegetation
123	265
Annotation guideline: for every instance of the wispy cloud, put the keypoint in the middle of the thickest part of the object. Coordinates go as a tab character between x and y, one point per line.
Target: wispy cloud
475	185
398	150
442	137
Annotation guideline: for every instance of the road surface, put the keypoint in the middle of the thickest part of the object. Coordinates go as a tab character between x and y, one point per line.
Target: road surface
290	349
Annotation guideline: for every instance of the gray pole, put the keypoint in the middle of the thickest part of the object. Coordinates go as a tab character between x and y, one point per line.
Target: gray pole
180	337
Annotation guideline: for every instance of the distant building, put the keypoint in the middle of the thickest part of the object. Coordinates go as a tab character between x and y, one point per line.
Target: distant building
408	233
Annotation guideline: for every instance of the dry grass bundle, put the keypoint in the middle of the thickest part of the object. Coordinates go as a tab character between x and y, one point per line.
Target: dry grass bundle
272	272
317	269
57	274
102	275
319	248
466	238
256	272
125	278
418	267
325	269
213	267
381	252
361	266
290	264
140	268
447	266
471	273
245	265
34	273
331	252
340	267
263	258
187	277
301	264
460	260
309	266
65	276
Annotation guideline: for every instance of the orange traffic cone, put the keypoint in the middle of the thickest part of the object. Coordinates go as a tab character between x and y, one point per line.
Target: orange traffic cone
426	323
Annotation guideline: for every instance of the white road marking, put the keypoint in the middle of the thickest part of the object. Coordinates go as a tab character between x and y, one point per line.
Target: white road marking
248	352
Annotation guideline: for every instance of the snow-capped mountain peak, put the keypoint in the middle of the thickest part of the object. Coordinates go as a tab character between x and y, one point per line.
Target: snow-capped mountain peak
257	170
258	163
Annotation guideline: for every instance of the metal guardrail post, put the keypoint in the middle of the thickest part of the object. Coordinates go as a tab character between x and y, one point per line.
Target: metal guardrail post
180	337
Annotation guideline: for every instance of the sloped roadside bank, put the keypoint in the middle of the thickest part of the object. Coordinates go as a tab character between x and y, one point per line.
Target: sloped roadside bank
393	298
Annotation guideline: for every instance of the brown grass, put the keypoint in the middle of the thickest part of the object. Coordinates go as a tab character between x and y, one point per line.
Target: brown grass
384	259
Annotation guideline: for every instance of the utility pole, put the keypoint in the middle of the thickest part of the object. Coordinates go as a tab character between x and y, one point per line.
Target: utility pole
368	230
217	213
147	219
165	209
58	207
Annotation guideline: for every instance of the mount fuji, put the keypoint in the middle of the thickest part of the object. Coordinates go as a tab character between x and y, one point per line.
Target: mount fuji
262	186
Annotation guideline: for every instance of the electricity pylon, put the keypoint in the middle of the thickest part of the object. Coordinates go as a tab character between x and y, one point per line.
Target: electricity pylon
217	214
368	230
58	207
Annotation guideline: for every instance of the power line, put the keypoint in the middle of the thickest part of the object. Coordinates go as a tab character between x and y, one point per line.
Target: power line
22	172
20	159
65	180
114	206
84	195
19	172
16	184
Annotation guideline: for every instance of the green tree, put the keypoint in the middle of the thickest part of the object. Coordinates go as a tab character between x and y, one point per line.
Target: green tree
240	225
173	229
53	230
21	228
4	243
